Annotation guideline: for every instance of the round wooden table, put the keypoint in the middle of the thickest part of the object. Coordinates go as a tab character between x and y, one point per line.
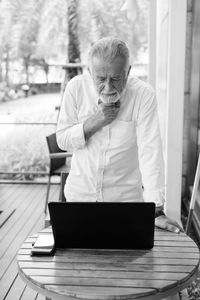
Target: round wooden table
112	274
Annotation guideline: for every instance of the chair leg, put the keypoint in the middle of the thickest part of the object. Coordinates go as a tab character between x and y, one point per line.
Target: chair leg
63	178
47	195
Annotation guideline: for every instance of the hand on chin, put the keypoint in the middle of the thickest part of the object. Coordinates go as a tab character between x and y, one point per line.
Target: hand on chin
115	104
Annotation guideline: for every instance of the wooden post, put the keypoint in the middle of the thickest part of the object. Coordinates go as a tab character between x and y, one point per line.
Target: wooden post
194	93
175	106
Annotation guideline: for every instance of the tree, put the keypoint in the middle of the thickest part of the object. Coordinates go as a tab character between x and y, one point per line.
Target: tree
73	42
63	30
52	37
101	18
8	15
30	20
32	30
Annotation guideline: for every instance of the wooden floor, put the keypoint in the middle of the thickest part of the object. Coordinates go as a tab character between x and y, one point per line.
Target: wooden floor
22	214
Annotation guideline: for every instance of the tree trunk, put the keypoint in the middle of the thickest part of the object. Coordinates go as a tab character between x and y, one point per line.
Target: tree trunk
26	64
46	70
7	67
73	45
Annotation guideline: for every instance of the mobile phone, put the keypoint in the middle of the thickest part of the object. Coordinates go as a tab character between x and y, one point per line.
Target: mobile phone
44	245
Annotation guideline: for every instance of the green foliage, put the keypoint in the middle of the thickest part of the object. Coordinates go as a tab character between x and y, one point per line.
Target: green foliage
24	147
32	31
101	18
38	30
25	150
52	35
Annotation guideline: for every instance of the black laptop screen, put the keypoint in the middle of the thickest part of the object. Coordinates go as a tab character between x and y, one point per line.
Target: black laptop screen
103	225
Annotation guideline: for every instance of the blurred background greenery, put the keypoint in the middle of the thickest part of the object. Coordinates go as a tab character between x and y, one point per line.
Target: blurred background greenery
43	44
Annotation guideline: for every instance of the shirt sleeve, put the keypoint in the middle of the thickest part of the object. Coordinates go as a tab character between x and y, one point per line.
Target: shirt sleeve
69	133
150	152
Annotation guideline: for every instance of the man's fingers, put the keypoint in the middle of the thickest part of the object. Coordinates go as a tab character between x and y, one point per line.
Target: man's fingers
112	112
165	223
175	224
110	108
173	228
108	112
168	227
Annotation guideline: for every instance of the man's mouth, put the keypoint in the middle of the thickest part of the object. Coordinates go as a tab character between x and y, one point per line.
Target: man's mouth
109	94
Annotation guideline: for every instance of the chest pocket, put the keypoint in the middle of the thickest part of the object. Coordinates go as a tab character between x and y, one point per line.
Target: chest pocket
123	133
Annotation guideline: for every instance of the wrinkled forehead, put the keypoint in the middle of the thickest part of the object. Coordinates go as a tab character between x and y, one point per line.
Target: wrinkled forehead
116	66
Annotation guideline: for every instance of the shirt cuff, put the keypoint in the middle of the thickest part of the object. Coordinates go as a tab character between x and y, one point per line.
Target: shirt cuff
77	137
156	196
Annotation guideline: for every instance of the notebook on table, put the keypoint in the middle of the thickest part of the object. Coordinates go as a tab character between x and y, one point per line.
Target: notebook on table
97	225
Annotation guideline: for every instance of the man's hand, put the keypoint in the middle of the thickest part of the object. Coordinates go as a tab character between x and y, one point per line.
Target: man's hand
166	223
105	114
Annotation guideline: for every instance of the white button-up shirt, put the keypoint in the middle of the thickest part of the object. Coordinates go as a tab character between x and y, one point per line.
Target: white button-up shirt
121	162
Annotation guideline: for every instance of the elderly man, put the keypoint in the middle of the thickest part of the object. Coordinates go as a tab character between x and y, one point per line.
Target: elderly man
109	120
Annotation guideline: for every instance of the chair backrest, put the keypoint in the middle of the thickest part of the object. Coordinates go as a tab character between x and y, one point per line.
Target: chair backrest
55	163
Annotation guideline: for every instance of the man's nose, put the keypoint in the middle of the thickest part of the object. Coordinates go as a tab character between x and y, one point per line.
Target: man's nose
108	86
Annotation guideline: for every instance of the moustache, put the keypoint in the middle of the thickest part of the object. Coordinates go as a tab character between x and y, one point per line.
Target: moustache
110	98
114	104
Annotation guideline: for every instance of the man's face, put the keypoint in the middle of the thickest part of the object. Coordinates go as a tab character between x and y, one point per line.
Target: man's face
109	78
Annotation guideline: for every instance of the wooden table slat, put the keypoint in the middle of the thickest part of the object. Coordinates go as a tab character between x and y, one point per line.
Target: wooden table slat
108	282
188	243
175	244
103	274
179	249
113	261
161	254
127	268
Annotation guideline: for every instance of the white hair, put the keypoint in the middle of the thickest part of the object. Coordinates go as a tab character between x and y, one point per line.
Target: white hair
109	48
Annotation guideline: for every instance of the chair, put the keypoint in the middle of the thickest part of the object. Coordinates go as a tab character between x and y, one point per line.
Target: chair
57	162
194	196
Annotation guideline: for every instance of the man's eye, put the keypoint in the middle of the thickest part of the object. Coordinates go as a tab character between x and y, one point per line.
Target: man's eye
115	79
101	79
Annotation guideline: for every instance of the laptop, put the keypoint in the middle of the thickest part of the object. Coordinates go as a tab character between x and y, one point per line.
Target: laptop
97	225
